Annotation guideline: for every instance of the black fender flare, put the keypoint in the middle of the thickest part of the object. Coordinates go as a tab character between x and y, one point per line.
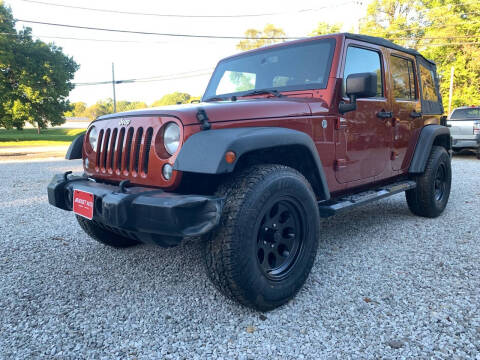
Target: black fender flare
204	152
75	149
424	146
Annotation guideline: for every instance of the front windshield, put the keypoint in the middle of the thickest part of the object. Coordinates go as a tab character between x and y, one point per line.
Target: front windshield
297	67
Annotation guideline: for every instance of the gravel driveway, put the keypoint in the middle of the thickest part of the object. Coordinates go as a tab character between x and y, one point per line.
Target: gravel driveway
385	284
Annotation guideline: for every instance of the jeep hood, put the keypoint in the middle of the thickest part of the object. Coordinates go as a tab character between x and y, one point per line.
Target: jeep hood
258	108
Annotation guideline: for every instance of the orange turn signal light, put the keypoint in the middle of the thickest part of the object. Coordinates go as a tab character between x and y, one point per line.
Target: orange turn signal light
230	157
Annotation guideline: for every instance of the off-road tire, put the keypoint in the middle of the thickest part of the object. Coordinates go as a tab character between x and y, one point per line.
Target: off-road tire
104	236
231	250
424	200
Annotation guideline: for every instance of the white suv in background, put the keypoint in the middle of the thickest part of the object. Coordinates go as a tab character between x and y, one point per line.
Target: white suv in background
464	123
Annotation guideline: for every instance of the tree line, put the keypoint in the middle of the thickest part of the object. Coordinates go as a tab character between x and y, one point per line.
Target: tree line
103	107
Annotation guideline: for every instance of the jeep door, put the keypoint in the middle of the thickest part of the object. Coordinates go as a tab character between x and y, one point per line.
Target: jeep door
407	116
363	138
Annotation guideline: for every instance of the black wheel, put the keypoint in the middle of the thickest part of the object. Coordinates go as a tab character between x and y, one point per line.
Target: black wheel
100	234
430	197
478	154
265	246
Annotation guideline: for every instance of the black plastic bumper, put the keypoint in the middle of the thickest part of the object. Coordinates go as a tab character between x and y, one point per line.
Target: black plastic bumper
147	213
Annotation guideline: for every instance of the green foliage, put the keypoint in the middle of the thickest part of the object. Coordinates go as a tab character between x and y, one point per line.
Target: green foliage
35	78
445	31
324	28
77	109
456	23
130	105
254	37
101	107
174	98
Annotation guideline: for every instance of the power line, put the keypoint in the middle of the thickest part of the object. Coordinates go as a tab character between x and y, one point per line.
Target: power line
175	15
451	44
90	39
421	38
155	33
182	75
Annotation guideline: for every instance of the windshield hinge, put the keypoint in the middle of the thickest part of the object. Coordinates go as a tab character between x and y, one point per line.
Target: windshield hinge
203	119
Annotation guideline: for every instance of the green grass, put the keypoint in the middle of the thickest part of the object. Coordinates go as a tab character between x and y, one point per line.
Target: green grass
30	137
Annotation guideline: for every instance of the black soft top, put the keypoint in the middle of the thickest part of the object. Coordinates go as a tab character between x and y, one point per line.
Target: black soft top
386	43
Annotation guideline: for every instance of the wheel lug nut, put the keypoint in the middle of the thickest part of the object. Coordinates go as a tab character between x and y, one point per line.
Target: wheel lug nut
266	229
264	242
272	245
274	225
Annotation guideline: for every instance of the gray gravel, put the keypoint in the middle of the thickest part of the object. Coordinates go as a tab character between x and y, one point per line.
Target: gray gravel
385	284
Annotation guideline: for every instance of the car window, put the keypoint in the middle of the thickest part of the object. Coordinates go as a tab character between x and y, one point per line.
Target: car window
284	68
462	114
428	84
403	78
361	60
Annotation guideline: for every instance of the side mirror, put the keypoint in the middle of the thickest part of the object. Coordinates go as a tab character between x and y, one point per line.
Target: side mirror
361	85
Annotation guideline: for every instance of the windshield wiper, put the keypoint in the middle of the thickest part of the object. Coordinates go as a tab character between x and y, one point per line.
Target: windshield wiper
264	91
215	98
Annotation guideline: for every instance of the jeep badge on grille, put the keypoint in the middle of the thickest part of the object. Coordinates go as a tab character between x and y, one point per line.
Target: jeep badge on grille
124	122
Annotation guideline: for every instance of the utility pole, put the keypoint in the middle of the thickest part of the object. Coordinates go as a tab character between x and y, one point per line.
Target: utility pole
113	84
452	71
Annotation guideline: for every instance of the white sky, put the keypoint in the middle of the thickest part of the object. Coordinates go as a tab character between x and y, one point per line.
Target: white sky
159	55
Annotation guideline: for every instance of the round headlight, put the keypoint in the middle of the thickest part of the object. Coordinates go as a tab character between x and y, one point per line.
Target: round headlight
171	138
93	138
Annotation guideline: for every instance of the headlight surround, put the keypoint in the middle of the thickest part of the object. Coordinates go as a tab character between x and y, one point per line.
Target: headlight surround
171	138
93	137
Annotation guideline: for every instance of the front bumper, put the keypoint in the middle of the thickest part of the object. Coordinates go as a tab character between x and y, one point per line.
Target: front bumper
145	213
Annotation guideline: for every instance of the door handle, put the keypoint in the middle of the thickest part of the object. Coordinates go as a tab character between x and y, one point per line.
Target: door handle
385	114
415	114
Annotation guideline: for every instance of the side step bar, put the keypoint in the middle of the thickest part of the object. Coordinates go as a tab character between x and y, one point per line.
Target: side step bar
335	206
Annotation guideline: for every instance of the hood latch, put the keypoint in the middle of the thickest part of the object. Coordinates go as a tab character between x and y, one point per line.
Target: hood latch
203	119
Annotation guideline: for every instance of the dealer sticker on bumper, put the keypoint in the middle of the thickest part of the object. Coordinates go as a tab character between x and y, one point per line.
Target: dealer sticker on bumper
83	204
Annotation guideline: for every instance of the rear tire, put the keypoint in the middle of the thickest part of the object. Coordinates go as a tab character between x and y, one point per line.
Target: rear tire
478	154
265	246
104	236
430	197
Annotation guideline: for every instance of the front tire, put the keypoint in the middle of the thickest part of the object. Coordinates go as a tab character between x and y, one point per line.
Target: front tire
430	197
265	245
104	236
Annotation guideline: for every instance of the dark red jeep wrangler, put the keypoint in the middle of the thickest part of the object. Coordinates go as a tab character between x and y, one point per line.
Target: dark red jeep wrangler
284	135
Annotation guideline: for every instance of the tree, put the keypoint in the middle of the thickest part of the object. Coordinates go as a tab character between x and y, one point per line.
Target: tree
402	21
104	107
35	77
452	40
324	28
101	107
445	31
173	98
130	105
257	38
77	109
